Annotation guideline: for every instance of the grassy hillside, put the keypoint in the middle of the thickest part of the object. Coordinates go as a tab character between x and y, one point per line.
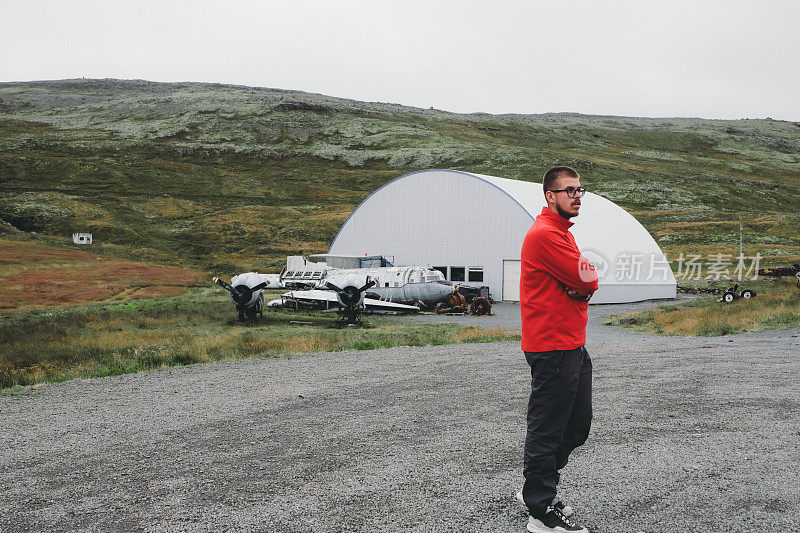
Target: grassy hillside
230	178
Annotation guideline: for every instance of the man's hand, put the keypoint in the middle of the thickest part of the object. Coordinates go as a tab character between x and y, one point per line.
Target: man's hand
575	295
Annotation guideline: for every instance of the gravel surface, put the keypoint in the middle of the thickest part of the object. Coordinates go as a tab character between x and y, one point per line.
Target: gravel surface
689	434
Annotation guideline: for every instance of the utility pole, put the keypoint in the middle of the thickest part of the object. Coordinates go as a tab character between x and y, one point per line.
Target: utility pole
740	236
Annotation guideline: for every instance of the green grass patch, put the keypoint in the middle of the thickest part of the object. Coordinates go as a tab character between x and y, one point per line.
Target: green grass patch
19	390
776	306
106	340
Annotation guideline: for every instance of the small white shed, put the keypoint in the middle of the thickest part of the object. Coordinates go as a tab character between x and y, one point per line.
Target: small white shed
82	238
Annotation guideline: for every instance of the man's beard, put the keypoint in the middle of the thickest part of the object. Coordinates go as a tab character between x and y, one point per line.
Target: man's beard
564	214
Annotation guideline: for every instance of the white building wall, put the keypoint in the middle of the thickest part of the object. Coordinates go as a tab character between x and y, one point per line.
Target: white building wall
438	218
452	218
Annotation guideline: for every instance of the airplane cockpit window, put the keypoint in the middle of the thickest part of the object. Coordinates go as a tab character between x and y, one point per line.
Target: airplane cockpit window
433	275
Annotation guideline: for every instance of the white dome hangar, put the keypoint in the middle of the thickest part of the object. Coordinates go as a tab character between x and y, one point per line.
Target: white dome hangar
471	226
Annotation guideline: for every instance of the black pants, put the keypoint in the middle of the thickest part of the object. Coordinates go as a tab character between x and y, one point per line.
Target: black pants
559	418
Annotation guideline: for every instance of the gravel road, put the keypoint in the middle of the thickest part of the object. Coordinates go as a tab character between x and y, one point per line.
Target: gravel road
689	434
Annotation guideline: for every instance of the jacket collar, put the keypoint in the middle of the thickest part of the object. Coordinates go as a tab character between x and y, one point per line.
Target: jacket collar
556	219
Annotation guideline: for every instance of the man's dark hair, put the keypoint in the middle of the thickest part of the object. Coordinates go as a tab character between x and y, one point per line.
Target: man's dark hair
552	175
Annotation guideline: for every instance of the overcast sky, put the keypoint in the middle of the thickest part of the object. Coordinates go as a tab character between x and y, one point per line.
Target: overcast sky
711	59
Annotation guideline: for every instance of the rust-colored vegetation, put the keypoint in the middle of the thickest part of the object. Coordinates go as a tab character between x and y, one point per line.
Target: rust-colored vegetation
37	276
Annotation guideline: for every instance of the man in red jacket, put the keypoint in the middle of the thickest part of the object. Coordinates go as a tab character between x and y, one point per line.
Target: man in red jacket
555	286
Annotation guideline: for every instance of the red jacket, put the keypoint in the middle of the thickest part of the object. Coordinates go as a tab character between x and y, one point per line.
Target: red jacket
551	265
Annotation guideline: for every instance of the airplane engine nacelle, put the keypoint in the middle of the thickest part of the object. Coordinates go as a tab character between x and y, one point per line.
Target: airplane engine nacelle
350	297
350	292
246	302
245	292
244	284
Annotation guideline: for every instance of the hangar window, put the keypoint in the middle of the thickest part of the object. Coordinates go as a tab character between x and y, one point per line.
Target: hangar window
443	270
475	273
457	273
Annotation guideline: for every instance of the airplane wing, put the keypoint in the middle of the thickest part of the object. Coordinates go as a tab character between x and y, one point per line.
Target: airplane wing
314	297
372	304
320	298
315	294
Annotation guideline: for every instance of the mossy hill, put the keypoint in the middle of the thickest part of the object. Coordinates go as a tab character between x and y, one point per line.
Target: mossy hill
231	178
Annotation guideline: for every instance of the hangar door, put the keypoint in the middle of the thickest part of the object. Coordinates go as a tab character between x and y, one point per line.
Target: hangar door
511	272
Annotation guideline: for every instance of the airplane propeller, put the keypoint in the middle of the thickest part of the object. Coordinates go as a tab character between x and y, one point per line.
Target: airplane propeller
332	286
350	298
242	295
240	292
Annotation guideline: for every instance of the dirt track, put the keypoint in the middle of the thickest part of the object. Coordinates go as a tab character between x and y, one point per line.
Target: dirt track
689	435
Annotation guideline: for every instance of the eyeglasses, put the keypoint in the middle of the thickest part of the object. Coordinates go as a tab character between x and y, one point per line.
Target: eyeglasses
571	191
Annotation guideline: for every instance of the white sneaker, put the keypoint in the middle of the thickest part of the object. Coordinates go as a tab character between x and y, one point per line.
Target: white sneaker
566	510
554	522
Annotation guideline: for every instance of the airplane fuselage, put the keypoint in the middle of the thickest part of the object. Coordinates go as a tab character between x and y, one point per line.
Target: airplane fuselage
410	285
